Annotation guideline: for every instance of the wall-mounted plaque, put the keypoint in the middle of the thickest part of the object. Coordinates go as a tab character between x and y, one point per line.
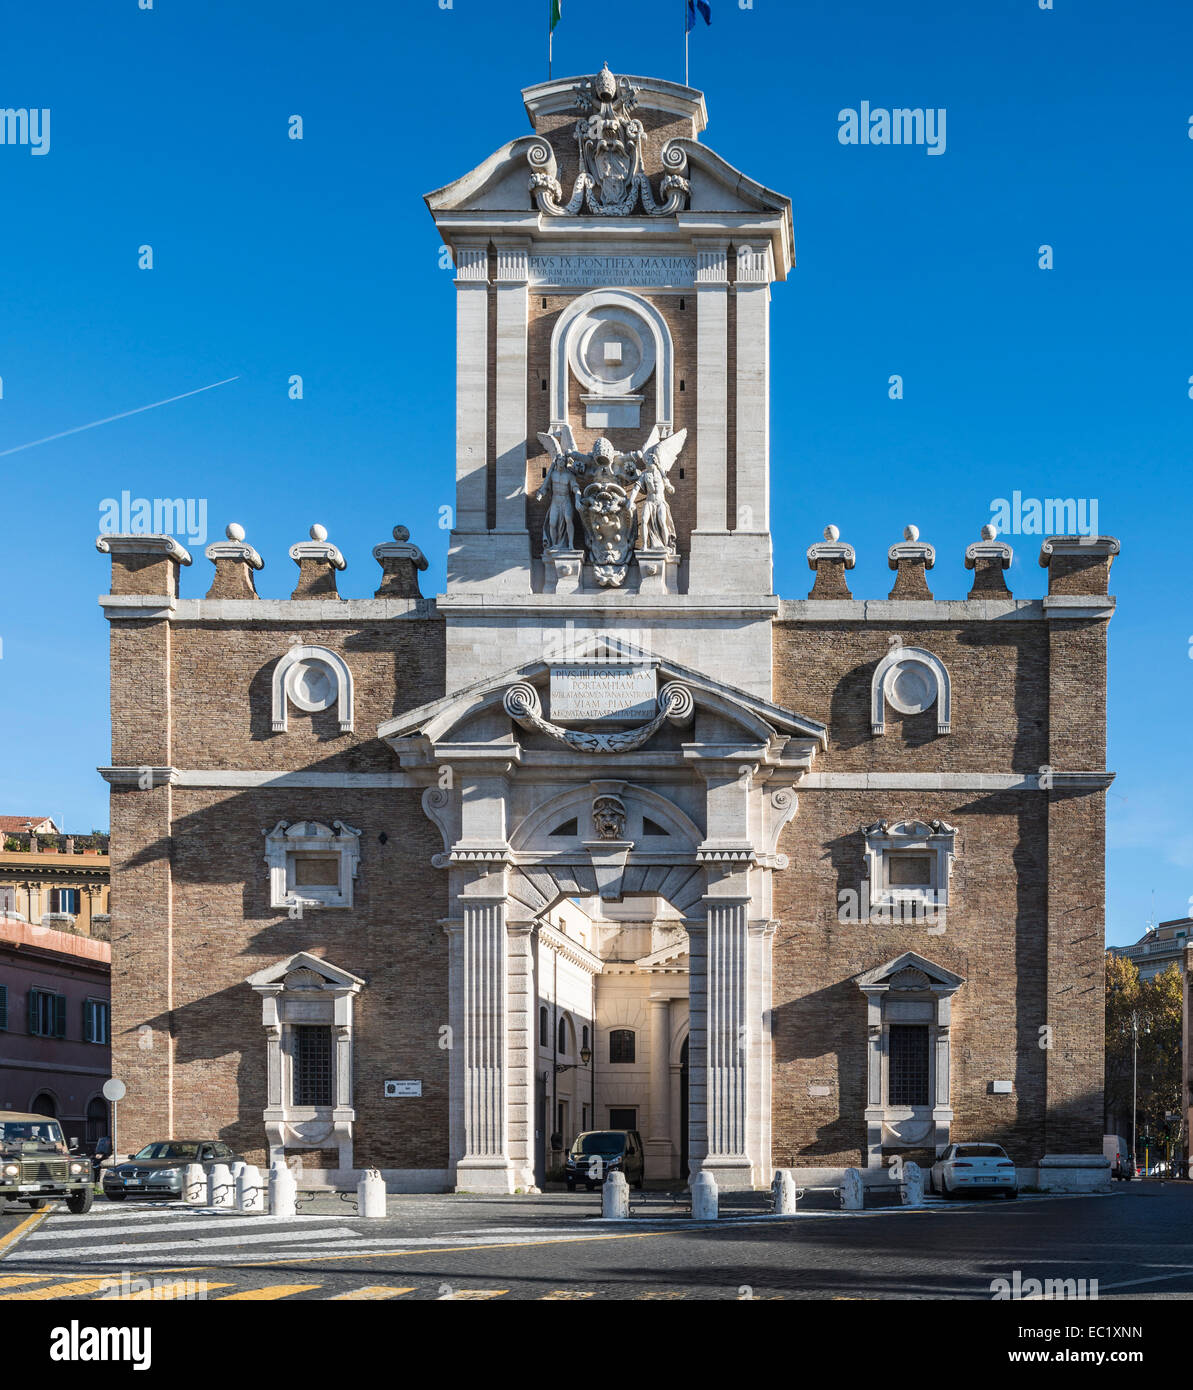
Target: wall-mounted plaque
591	694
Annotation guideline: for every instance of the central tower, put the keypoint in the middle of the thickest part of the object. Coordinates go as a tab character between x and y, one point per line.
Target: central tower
613	292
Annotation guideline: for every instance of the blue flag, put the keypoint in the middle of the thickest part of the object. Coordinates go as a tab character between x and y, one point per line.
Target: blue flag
690	19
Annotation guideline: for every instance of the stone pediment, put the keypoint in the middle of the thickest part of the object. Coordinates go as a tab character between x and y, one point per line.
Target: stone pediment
566	177
476	714
909	971
305	971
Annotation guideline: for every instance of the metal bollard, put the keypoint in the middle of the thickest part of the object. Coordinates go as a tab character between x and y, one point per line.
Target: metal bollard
250	1195
705	1199
370	1194
283	1192
782	1192
615	1197
194	1184
911	1190
853	1194
221	1191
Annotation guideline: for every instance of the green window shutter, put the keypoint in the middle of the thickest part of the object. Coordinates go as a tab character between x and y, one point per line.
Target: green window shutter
60	1015
87	1037
33	1011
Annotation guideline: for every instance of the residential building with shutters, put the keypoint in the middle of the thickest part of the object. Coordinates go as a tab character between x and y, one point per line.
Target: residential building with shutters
55	1029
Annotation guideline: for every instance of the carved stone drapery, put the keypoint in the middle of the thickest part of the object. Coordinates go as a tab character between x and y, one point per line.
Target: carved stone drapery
522	704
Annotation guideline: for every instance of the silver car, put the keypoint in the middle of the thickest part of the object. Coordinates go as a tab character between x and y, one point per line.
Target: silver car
158	1169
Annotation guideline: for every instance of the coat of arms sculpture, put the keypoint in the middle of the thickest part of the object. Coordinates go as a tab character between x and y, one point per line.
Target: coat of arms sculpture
603	488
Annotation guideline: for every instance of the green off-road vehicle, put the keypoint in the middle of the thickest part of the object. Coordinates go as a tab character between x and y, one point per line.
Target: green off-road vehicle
36	1166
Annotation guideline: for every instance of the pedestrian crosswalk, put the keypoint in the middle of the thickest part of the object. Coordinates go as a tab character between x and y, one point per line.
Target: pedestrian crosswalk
175	1235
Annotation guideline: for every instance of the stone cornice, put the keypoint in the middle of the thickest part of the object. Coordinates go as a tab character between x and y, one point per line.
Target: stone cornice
563	945
264	610
945	610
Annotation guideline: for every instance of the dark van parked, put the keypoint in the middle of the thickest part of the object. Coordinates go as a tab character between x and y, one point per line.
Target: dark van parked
599	1151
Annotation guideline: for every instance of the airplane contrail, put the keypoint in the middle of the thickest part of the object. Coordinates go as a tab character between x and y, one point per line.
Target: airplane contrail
33	443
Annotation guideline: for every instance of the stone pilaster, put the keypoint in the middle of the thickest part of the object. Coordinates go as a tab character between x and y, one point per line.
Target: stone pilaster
485	1165
472	403
658	1142
751	563
726	1042
706	560
520	1021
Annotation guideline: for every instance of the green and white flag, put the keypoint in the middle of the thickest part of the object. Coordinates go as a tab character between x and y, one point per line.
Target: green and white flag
555	8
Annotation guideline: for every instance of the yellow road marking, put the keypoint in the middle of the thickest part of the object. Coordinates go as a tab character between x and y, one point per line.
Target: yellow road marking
472	1293
22	1230
10	1279
371	1291
564	1293
660	1295
72	1290
176	1289
270	1291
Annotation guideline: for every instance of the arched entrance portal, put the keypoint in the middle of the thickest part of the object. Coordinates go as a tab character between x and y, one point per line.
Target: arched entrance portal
610	1005
685	809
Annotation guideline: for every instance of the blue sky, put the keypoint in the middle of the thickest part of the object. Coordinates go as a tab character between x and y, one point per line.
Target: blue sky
1068	127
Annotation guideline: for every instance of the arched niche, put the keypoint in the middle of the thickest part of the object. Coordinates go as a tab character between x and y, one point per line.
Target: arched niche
312	679
911	680
585	343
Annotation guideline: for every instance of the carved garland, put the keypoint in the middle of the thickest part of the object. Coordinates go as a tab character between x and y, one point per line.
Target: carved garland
675	702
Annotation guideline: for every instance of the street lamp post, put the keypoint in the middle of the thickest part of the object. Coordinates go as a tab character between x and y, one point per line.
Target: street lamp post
1134	1084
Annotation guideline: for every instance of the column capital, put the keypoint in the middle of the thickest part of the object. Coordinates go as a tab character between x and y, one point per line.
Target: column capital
472	262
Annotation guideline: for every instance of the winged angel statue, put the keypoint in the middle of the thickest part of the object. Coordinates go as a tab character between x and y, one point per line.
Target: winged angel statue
603	488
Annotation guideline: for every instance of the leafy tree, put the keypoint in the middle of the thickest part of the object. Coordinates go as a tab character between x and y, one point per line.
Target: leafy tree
1152	1009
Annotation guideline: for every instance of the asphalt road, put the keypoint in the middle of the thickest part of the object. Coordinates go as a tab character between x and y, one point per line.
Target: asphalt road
1137	1243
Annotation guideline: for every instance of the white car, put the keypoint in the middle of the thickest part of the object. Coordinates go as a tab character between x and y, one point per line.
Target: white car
972	1168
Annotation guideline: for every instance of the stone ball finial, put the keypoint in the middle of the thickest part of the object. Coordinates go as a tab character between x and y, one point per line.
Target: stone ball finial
234	531
911	533
318	533
989	531
402	534
832	533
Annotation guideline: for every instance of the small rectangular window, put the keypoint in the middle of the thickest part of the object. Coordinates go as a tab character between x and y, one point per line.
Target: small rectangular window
625	1118
312	1065
909	870
47	1014
907	1062
315	870
65	900
95	1021
621	1045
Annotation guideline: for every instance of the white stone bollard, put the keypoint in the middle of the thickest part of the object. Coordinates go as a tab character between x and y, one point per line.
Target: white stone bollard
283	1192
615	1197
853	1194
705	1201
370	1194
220	1188
911	1189
194	1184
250	1195
782	1192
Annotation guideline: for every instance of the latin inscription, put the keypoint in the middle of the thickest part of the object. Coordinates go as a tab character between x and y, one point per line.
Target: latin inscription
613	270
588	694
